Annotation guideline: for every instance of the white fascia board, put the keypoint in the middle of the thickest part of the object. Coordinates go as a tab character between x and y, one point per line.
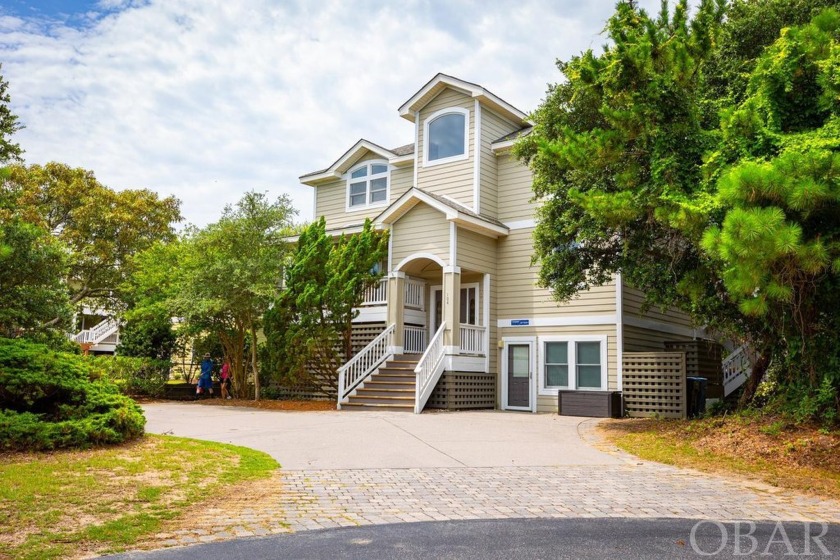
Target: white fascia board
560	321
335	170
402	161
413	196
479	226
504	146
407	109
316	179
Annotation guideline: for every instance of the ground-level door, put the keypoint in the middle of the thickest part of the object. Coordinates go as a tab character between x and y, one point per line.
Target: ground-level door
518	369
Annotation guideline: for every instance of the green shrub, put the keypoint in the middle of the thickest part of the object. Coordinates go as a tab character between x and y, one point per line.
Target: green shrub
135	376
51	400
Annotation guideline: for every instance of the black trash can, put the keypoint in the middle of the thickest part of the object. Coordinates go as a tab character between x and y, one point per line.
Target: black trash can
695	396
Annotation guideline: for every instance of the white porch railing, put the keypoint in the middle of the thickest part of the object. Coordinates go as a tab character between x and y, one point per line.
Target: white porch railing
363	364
377	294
737	368
414	293
428	370
415	339
98	333
472	339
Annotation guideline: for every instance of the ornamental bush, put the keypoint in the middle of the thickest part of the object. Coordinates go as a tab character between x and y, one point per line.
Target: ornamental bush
53	400
143	377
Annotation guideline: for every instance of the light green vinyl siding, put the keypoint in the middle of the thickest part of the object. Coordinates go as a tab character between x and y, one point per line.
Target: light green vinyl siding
519	296
633	299
476	252
331	198
454	179
402	179
637	339
548	403
493	127
421	230
515	190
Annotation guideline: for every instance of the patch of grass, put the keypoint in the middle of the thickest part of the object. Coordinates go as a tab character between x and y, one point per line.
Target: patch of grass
765	448
70	503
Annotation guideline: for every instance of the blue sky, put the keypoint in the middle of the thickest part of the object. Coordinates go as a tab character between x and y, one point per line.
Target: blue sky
206	99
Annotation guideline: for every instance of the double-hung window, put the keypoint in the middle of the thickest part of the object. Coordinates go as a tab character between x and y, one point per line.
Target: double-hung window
568	362
367	185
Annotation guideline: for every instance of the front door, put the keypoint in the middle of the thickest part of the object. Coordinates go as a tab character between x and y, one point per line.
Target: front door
519	375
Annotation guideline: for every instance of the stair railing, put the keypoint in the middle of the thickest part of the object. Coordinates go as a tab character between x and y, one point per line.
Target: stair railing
428	370
737	368
362	365
98	333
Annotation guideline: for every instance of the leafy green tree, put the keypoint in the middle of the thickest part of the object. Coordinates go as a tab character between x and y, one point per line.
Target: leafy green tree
778	242
721	217
8	126
309	327
32	266
100	227
229	273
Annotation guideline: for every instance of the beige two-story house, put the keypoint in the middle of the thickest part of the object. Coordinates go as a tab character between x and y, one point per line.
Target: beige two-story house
458	318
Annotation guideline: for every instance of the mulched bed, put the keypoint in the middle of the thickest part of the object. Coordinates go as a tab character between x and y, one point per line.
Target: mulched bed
298	406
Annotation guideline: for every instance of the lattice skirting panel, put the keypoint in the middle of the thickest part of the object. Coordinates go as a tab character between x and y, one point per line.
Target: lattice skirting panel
703	358
459	390
653	384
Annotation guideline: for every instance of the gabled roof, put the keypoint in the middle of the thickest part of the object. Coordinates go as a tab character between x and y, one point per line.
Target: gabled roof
443	81
451	209
349	158
506	142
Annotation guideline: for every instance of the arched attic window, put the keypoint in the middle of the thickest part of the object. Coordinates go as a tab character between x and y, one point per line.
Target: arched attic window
368	185
446	133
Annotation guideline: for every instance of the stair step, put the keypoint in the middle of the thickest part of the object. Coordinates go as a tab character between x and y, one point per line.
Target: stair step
396	397
380	385
384	392
396	373
365	406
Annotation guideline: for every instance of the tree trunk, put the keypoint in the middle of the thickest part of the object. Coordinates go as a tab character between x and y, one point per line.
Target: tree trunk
759	368
254	362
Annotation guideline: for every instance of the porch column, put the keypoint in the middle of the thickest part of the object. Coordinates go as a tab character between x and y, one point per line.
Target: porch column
452	309
396	308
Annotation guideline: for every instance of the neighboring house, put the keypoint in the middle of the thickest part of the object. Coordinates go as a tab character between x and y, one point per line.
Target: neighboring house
98	332
460	290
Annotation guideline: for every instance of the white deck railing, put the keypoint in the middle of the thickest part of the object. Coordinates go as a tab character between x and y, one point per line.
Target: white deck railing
428	370
98	333
737	368
415	339
472	339
414	294
377	294
363	364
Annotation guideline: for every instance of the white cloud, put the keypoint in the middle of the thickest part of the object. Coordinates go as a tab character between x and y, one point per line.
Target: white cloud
205	99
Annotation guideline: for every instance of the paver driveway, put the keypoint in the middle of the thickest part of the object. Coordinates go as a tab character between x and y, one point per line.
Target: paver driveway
357	468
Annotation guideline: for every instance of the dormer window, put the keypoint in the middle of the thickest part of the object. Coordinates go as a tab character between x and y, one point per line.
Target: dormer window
367	185
446	133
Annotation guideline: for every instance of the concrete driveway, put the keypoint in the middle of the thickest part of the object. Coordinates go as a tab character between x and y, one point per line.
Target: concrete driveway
364	440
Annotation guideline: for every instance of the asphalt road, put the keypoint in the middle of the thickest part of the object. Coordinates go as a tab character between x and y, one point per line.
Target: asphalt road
525	539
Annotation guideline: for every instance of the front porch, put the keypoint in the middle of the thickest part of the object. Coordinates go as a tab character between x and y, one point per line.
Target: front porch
419	320
435	323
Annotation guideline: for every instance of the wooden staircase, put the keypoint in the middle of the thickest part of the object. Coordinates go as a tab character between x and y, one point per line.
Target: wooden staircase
392	387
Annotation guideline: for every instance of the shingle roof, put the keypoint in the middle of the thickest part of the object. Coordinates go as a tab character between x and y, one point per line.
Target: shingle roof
404	150
514	135
462	209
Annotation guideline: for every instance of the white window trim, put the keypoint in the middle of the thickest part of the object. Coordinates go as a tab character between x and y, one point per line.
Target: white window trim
572	356
450	159
349	179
